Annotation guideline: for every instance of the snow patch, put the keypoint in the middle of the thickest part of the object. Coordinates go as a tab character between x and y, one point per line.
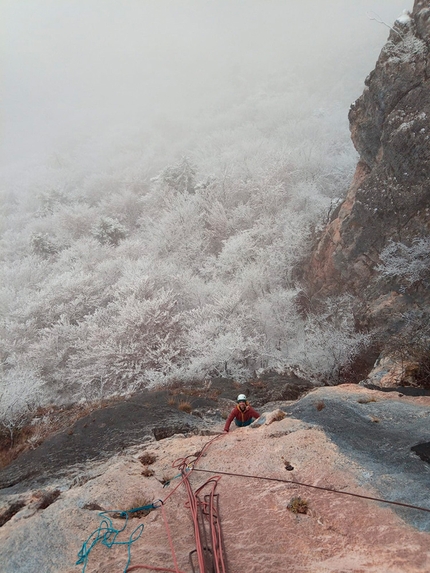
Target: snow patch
404	18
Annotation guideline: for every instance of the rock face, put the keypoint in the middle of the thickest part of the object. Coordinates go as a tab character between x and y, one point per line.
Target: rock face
324	456
389	199
146	415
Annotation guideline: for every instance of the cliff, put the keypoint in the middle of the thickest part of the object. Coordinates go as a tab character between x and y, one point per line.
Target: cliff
298	492
388	201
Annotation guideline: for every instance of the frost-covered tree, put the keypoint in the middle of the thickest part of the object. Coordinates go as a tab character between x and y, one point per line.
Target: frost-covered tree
109	231
180	176
411	263
43	245
329	341
20	395
128	345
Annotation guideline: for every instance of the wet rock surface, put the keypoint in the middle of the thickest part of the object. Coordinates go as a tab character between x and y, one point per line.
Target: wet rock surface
380	431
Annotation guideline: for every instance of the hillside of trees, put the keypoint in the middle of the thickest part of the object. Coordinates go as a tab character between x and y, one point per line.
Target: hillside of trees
167	251
133	276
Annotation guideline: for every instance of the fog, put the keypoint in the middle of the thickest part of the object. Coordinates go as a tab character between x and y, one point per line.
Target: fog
165	166
75	70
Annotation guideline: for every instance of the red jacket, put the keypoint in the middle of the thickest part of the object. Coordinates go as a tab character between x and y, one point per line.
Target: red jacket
241	417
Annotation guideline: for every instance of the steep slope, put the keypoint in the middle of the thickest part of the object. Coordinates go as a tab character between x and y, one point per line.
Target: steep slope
313	445
388	202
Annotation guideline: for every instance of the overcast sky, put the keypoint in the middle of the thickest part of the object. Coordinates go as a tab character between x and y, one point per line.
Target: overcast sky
71	67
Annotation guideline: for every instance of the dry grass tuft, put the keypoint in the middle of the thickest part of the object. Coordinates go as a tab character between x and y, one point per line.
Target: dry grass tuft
147	459
298	505
140	501
320	405
185	407
147	472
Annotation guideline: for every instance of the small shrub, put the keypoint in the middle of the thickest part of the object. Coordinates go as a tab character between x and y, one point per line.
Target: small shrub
109	231
320	405
147	472
185	407
147	459
140	502
298	505
171	402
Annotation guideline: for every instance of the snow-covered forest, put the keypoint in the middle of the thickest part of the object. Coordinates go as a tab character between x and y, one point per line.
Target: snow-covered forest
151	231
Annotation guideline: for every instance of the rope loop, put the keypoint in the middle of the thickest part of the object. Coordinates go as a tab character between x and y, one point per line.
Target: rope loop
107	535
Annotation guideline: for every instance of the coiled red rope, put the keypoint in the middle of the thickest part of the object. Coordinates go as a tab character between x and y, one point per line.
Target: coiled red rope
205	519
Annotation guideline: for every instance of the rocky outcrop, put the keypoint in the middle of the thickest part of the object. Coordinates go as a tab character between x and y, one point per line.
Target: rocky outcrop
389	199
324	456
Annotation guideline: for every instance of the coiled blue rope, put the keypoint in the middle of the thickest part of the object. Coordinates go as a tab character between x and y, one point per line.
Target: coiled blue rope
107	534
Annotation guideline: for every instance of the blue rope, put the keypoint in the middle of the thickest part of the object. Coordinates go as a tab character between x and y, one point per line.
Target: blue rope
167	483
107	534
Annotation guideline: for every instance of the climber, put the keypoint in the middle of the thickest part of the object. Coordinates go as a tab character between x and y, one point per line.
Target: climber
243	414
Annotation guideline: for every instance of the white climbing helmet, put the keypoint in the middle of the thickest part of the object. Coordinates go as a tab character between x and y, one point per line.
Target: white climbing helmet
241	398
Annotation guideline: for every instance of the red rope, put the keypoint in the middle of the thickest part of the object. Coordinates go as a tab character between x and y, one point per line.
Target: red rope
152	568
211	510
195	505
330	490
186	466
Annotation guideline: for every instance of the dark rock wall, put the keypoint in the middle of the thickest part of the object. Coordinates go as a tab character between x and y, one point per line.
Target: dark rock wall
389	198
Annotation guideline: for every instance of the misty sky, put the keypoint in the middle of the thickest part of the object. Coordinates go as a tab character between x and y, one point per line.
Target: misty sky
72	68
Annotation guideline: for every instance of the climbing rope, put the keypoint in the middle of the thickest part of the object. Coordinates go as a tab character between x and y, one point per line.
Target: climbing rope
204	509
205	518
107	534
330	490
208	520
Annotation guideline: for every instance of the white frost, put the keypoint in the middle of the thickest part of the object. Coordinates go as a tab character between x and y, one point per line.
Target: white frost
404	18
